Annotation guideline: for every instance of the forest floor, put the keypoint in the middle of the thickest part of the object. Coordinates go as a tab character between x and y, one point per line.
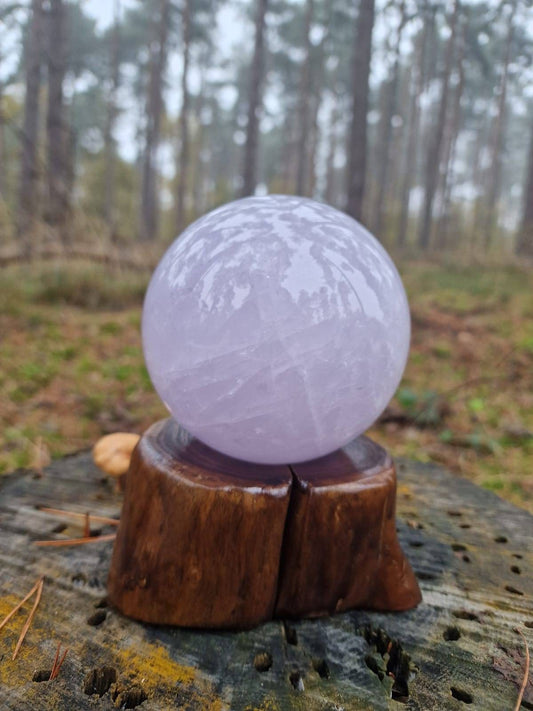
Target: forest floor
72	368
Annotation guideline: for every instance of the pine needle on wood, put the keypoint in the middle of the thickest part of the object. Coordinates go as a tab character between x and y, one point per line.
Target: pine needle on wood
75	514
526	673
30	618
75	541
57	665
17	607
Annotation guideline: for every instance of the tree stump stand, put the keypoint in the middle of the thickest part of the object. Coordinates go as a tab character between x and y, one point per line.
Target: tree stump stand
213	542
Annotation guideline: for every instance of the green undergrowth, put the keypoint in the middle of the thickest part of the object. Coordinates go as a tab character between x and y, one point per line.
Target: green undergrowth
72	369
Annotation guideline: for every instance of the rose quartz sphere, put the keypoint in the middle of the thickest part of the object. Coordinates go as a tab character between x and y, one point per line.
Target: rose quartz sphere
276	329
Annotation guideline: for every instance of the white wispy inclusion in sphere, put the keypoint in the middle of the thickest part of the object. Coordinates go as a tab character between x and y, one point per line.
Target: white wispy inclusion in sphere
276	329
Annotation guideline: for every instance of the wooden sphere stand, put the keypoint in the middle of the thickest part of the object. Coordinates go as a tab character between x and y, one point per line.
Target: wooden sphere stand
209	541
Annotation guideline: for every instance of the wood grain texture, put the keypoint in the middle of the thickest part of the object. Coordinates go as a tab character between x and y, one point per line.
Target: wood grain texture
471	551
200	533
213	542
340	549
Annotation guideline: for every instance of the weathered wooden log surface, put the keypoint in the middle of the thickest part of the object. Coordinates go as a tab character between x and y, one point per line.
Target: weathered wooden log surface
208	541
472	553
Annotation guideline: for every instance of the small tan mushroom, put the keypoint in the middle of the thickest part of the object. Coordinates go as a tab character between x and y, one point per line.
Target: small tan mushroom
112	453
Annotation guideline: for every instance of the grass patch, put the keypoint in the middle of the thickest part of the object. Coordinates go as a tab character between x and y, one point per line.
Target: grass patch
73	369
86	286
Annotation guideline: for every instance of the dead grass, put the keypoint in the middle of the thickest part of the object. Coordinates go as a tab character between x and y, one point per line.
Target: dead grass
72	368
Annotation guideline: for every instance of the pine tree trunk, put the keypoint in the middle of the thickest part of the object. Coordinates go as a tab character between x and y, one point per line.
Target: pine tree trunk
254	102
384	167
183	167
198	157
154	109
3	166
314	139
287	152
55	120
435	147
303	105
525	238
418	79
497	139
109	142
357	145
27	203
451	133
57	169
329	194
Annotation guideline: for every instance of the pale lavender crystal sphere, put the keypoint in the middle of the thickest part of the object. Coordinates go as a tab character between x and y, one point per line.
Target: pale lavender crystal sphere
276	329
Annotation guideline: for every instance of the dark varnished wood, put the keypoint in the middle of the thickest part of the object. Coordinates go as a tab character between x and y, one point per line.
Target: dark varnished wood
340	546
200	534
210	541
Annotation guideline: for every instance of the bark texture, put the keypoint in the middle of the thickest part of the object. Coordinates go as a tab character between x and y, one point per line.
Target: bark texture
384	162
57	169
110	145
435	147
525	237
154	111
183	166
496	145
303	105
254	102
357	145
29	173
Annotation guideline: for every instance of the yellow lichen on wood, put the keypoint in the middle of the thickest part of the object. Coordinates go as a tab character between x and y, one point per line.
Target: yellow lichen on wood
152	667
268	704
153	663
10	671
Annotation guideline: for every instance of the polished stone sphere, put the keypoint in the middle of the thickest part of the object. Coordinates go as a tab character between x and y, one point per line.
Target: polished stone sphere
276	329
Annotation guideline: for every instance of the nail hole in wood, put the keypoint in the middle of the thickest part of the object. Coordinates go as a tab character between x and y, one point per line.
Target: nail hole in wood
466	558
263	661
290	634
99	680
96	618
458	547
396	662
515	569
465	525
41	675
321	667
465	615
501	539
129	698
416	544
455	513
461	695
296	680
519	556
513	590
451	634
79	579
424	575
59	528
